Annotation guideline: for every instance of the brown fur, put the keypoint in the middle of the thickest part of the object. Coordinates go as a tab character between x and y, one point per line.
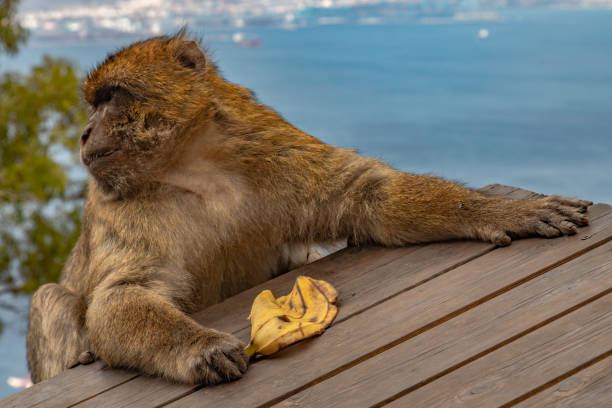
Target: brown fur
197	192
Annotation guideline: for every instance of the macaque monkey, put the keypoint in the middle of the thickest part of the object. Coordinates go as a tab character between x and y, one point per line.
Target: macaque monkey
198	191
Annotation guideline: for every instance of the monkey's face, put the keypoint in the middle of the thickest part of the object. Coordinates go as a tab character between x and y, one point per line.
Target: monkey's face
142	99
123	142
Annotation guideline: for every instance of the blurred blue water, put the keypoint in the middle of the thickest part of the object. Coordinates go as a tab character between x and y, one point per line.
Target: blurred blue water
529	106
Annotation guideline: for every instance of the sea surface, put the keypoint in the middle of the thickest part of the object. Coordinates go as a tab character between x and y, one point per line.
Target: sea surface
529	106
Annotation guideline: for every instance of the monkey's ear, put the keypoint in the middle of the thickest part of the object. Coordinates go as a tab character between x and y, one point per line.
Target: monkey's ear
190	55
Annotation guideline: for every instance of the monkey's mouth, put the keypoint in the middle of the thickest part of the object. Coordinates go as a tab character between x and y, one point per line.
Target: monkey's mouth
97	155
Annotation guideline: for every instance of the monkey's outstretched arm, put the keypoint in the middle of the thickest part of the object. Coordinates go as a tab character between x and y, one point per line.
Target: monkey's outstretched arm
136	324
395	208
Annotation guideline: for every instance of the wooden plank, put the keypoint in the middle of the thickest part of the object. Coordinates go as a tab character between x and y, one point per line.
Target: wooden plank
370	332
501	189
591	387
456	342
69	387
533	360
509	192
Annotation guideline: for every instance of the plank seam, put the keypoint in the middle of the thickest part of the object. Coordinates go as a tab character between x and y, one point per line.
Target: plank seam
178	397
433	324
557	380
492	349
421	282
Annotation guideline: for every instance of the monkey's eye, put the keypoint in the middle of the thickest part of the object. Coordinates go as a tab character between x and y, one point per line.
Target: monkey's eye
106	94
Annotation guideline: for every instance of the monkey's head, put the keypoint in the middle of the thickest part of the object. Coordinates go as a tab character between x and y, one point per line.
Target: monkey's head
142	99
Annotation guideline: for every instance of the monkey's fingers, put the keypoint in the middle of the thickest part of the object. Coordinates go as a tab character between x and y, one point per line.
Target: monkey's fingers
87	357
222	359
547	217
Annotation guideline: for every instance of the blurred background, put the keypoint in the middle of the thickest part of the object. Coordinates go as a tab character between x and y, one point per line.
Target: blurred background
479	91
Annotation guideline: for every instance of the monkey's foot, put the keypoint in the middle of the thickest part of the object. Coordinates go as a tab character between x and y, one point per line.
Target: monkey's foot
216	357
86	357
548	217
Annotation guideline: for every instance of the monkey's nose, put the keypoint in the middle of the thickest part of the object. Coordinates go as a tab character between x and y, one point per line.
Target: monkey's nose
85	135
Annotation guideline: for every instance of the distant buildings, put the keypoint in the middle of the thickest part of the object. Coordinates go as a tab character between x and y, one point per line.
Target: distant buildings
100	19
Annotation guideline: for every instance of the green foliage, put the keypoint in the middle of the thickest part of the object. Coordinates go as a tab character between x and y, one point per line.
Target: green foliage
41	187
11	33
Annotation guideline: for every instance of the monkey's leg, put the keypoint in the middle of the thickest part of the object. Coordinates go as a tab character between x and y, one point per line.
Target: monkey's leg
403	208
56	335
133	326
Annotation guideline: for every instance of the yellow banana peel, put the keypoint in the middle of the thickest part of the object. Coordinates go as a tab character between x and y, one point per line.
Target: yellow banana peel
276	323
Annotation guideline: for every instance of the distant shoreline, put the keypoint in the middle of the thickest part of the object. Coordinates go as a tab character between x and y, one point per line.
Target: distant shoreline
101	22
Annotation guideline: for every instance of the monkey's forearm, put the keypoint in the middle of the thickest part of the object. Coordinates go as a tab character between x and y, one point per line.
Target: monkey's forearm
131	326
404	208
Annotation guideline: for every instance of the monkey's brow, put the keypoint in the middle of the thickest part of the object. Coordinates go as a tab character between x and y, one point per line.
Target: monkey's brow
105	93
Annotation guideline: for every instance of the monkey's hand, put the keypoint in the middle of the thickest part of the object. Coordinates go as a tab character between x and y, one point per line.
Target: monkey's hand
148	332
502	219
216	357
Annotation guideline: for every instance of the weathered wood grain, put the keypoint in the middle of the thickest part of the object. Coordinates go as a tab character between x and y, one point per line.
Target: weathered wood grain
515	193
523	365
591	387
475	333
69	387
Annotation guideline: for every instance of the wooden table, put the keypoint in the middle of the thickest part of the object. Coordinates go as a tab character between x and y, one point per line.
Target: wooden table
445	324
